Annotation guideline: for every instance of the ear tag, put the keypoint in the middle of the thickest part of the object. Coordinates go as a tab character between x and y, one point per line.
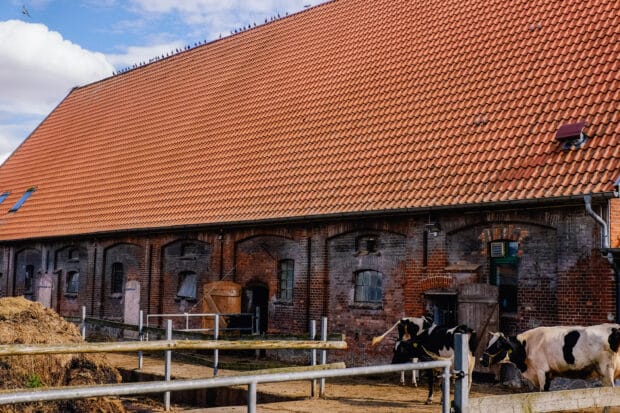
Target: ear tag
415	345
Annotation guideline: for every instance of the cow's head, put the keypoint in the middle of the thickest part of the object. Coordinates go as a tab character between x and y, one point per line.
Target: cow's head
406	350
411	327
498	350
614	339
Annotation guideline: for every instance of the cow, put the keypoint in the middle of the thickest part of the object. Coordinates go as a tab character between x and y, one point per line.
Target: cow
421	338
544	352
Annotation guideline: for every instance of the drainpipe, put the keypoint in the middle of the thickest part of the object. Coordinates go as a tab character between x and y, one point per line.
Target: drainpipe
605	235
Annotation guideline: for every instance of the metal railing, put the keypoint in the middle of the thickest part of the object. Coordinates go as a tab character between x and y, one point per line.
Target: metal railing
126	389
215	316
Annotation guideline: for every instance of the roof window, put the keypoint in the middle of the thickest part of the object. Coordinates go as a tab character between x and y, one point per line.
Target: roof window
23	199
3	196
571	135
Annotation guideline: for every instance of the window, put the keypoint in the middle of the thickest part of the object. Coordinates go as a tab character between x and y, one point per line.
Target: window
118	277
368	287
23	199
285	280
28	279
72	281
366	244
187	285
504	274
73	254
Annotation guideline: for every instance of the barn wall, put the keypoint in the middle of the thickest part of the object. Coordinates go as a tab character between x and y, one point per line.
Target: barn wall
563	278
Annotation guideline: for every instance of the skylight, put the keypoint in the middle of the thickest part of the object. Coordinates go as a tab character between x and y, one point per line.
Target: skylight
23	199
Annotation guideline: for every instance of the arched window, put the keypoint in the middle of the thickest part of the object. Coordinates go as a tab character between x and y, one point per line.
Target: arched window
72	282
285	280
117	279
187	285
368	287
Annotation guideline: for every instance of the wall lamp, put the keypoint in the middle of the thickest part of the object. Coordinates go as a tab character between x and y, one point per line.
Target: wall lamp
433	228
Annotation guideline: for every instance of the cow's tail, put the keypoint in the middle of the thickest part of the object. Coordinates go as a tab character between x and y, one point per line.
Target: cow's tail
377	340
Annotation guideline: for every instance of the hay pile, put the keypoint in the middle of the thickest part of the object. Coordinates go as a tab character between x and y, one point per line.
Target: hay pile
26	322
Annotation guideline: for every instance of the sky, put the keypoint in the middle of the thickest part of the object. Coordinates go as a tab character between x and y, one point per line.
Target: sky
47	47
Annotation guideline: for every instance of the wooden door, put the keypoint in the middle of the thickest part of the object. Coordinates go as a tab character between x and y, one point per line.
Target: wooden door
478	308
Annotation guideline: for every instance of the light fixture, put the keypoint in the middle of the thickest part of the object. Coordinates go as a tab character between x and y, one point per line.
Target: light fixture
433	228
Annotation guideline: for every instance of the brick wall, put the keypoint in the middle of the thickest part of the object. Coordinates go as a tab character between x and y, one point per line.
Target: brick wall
563	278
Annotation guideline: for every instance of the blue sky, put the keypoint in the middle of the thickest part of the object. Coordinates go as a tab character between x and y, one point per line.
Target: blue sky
61	44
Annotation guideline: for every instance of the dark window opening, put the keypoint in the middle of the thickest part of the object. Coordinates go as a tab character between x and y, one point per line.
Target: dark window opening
29	279
21	201
368	287
504	274
285	280
443	308
187	285
367	244
118	277
72	282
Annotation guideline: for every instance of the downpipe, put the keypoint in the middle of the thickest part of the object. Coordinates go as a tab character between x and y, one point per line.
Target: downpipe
605	245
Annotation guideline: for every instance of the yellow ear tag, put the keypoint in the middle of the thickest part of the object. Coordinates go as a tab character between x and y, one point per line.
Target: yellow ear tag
415	345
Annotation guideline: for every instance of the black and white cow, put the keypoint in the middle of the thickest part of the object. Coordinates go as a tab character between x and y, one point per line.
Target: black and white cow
544	352
419	337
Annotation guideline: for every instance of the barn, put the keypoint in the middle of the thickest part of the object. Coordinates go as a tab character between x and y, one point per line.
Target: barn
359	160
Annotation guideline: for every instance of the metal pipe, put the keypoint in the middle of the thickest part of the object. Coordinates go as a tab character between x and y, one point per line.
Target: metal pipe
610	258
312	356
252	397
141	338
168	364
83	325
216	352
125	389
323	354
588	201
445	390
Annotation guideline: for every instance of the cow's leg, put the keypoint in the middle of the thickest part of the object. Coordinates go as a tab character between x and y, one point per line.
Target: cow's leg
414	374
607	372
547	381
402	378
431	382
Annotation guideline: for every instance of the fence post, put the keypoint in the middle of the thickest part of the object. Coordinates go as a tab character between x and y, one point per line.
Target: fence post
141	338
461	366
323	354
216	352
168	364
83	323
252	397
313	356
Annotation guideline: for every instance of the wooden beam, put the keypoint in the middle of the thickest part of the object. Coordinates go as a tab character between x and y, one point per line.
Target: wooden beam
552	401
163	345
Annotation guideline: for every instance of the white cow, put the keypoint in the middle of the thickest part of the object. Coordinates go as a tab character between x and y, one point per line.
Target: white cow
544	352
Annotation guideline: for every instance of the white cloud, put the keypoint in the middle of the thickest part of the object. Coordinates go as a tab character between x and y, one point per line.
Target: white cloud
38	68
138	54
219	16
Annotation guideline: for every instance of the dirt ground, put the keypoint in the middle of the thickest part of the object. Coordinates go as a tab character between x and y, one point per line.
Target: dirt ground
369	394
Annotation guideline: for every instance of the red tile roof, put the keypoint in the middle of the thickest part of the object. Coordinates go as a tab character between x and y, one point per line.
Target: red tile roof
350	106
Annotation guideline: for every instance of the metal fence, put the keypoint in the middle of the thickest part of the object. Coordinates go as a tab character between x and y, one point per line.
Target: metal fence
126	389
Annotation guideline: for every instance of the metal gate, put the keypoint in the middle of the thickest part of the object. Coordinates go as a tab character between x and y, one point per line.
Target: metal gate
478	308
